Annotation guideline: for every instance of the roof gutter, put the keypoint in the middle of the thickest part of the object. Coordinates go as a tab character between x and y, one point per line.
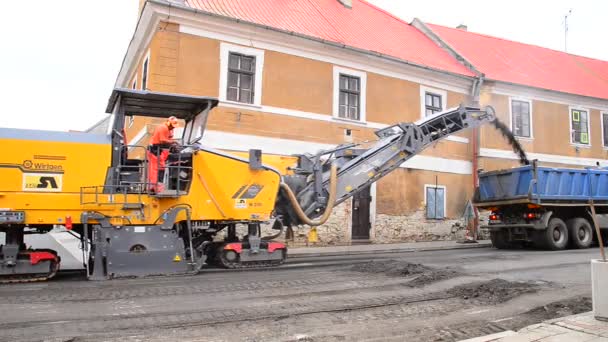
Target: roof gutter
181	6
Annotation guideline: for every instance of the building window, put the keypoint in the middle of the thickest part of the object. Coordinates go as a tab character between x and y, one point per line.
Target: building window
144	73
241	76
605	128
435	199
241	70
521	120
350	93
579	124
432	103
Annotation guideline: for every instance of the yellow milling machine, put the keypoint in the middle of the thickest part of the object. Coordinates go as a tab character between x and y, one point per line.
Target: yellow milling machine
95	186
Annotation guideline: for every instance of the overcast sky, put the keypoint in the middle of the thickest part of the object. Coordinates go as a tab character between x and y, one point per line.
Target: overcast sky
59	59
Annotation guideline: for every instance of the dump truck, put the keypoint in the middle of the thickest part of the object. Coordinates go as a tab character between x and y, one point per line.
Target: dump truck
548	207
97	186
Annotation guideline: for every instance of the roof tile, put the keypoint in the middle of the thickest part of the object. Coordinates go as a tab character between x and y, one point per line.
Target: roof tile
514	62
364	27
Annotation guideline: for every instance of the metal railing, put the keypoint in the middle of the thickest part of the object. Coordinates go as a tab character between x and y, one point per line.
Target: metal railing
108	195
134	178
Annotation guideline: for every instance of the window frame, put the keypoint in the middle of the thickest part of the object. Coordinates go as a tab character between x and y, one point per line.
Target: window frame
432	107
337	71
434	91
145	72
240	72
602	113
348	92
445	200
134	84
529	101
582	109
225	50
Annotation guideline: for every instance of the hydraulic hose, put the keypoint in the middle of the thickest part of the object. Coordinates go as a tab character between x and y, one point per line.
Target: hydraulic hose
333	186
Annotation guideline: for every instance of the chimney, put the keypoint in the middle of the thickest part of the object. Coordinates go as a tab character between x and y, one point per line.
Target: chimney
346	3
462	27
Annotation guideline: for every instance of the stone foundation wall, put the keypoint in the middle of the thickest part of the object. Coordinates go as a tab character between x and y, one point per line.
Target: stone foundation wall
415	227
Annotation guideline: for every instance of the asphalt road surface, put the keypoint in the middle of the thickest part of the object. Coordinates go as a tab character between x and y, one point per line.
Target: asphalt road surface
419	296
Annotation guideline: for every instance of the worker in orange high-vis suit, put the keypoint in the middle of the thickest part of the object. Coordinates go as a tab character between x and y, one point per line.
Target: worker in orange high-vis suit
158	152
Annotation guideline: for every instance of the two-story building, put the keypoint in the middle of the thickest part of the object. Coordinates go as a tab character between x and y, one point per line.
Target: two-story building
300	76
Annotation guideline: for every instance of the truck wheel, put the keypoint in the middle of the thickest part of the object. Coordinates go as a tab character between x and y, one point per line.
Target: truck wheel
555	237
500	239
580	232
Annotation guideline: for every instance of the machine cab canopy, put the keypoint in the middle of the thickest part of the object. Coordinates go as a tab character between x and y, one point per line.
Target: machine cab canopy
192	109
131	169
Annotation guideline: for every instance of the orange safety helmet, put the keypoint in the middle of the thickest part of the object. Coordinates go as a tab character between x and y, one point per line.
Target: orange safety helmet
172	120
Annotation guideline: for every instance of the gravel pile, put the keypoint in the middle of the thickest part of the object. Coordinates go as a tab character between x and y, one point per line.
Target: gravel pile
424	275
494	291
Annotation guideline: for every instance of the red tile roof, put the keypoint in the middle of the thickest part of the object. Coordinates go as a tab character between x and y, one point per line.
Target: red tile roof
364	27
530	65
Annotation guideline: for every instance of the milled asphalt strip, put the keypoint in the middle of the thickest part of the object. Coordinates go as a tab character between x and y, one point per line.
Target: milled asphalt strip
194	318
392	250
312	312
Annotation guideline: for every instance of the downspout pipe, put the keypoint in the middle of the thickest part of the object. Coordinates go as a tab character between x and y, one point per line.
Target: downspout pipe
475	138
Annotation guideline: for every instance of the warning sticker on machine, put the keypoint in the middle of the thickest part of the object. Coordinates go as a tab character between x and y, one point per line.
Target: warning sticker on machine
240	203
46	182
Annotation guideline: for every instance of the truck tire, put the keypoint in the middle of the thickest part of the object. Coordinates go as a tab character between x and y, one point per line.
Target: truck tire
580	232
555	237
500	239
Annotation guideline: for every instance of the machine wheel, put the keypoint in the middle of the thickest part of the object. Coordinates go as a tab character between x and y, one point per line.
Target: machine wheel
580	232
555	237
229	259
500	239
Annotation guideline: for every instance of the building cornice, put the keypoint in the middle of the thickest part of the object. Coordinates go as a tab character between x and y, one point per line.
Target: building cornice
540	94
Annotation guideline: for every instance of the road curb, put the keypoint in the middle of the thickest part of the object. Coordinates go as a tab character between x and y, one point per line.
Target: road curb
392	250
493	337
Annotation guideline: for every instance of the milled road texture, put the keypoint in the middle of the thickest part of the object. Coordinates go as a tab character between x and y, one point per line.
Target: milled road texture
421	296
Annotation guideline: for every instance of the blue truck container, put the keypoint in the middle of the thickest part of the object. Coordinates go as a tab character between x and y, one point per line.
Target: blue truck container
544	206
539	185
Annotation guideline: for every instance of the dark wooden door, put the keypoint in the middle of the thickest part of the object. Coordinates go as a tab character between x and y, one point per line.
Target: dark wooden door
361	216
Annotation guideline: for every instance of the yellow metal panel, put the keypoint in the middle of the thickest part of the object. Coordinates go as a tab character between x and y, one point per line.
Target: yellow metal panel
218	186
44	178
79	164
223	186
